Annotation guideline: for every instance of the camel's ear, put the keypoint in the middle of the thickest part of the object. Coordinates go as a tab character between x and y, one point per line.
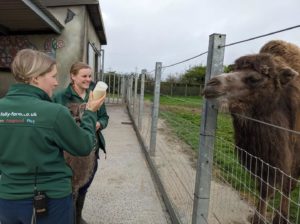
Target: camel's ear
286	75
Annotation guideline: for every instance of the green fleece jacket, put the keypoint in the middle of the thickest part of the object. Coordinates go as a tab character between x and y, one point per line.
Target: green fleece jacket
34	131
69	97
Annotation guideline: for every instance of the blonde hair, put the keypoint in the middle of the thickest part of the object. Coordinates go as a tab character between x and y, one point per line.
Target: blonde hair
78	66
29	63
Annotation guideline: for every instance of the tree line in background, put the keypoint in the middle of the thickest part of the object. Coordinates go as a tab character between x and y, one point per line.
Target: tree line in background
190	83
194	75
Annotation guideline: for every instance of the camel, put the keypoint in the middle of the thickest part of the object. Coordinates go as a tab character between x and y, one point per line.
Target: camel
265	87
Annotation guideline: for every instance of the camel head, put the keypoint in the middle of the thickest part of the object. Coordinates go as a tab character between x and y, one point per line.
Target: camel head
257	80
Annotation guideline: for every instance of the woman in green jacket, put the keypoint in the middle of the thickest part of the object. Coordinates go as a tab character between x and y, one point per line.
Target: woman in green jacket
73	97
35	182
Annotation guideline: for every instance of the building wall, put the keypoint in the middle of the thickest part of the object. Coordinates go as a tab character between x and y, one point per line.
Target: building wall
92	51
68	47
72	38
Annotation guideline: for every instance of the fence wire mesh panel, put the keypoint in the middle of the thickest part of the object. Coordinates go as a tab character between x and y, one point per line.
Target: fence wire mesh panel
176	88
115	91
258	192
174	165
235	191
174	160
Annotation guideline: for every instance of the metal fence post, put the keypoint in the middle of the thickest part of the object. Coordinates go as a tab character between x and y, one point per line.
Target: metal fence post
102	65
155	108
141	106
114	87
130	92
126	88
135	93
123	89
207	134
109	87
119	88
200	91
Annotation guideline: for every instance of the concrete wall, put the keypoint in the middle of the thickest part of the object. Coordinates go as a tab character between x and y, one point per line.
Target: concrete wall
68	47
72	39
91	53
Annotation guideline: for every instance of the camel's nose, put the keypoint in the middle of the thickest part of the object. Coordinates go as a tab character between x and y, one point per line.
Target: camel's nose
213	82
213	89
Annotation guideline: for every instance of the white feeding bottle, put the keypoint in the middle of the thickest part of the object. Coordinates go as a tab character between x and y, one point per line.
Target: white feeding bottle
99	90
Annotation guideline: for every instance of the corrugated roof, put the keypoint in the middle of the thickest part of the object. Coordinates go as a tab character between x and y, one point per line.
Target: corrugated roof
26	17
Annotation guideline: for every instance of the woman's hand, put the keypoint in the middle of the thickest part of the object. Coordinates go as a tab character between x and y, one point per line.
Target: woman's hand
98	125
94	104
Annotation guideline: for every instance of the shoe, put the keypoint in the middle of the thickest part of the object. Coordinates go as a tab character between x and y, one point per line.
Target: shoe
79	206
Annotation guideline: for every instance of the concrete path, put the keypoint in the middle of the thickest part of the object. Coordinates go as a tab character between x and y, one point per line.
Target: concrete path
123	191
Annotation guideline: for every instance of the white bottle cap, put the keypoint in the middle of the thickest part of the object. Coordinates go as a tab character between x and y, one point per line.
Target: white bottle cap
101	86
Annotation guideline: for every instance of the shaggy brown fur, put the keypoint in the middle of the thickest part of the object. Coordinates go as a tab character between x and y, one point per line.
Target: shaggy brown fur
82	166
265	87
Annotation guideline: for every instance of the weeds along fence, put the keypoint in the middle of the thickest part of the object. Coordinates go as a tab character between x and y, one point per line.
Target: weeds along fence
214	188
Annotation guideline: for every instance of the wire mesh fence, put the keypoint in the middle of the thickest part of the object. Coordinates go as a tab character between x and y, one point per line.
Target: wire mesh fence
173	165
116	87
233	183
176	88
235	188
274	193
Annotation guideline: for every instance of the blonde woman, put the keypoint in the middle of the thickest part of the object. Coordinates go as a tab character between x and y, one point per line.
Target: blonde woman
74	96
35	183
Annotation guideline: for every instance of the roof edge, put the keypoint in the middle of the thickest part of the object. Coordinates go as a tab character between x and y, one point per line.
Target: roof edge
99	26
49	3
44	14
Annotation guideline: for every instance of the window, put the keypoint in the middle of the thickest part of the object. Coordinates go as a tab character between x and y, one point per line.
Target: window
93	60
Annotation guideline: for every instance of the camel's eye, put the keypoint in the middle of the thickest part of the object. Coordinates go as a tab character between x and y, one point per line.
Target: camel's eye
253	80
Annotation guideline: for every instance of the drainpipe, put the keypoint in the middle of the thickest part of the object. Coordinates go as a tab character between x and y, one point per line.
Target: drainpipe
102	64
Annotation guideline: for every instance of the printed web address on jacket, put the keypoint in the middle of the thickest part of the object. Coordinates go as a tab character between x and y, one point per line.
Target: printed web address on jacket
17	114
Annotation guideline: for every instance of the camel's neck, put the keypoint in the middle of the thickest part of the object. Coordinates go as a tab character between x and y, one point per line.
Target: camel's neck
255	138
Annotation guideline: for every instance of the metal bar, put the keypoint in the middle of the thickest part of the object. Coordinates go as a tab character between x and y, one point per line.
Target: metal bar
102	64
131	93
155	108
109	87
135	92
207	134
114	87
123	89
119	88
141	106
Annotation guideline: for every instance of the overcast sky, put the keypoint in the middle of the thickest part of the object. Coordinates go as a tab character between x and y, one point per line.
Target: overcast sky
142	32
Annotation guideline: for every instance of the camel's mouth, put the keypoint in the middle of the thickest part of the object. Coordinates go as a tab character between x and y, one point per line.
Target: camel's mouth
210	93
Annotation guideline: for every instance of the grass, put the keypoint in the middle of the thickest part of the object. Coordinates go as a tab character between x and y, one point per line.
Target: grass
183	115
